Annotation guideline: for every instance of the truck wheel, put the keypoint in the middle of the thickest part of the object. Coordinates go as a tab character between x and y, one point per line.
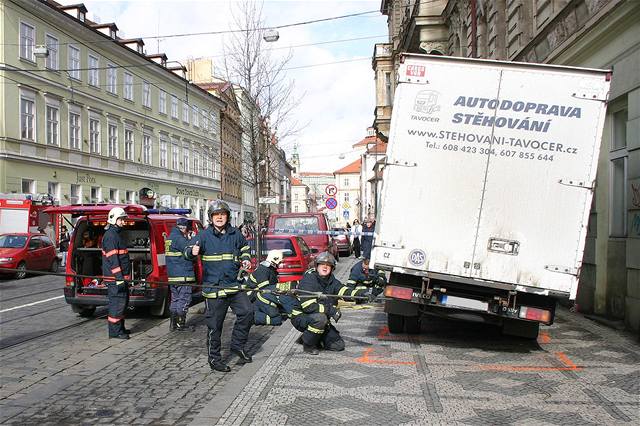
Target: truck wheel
412	325
83	311
161	310
395	323
22	271
520	328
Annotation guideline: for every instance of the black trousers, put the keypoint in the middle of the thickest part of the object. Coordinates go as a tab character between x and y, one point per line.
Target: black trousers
215	315
118	300
356	247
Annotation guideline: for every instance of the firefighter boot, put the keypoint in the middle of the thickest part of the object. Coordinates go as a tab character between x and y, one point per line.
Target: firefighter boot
181	323
173	321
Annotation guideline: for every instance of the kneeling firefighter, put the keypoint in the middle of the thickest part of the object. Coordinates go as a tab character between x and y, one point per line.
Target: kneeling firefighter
181	274
317	309
361	275
270	306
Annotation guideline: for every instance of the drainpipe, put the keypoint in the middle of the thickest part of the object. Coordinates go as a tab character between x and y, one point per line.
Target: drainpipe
474	29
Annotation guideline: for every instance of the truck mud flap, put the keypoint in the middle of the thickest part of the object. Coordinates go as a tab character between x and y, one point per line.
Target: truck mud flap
399	307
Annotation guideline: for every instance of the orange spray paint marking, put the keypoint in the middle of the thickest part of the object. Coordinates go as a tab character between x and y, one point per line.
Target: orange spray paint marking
383	334
365	359
544	337
564	359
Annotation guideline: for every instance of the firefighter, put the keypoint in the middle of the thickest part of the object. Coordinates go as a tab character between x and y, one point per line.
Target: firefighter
317	309
223	250
180	272
271	307
116	269
361	275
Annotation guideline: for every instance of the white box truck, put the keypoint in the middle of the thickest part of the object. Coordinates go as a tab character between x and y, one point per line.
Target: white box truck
486	190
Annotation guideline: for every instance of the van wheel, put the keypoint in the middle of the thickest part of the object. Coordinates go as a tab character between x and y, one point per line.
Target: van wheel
22	271
161	310
412	324
54	266
395	323
83	311
520	328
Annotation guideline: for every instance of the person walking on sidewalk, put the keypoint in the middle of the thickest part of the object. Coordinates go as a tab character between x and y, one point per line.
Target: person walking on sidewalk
224	250
317	308
116	269
181	274
367	240
355	237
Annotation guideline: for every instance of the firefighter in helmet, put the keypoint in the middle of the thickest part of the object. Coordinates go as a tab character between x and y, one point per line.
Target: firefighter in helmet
223	250
116	269
180	272
270	306
317	309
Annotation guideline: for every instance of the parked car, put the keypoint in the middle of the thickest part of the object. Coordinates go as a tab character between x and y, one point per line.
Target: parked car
305	225
144	233
342	241
25	251
297	256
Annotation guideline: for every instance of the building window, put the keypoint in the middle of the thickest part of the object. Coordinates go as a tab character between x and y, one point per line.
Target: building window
52	59
174	157
113	195
162	102
146	94
196	163
618	157
163	154
27	118
131	197
96	194
113	140
128	144
112	79
146	149
76	194
53	189
295	208
74	130
174	106
94	136
195	115
205	122
28	186
27	41
128	86
94	72
387	89
185	112
346	183
53	123
185	159
346	197
213	123
74	62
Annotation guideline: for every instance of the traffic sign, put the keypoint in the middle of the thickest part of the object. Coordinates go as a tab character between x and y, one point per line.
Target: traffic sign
345	214
331	203
345	205
331	190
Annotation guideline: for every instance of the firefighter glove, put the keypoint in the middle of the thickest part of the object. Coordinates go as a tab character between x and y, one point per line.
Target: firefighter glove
336	315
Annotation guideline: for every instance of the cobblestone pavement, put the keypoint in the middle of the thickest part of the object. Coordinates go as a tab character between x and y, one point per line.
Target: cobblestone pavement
577	372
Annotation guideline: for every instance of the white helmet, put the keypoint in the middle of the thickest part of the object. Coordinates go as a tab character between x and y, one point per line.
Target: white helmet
274	256
115	214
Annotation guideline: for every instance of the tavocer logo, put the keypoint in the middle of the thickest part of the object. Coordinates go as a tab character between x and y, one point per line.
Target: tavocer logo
426	102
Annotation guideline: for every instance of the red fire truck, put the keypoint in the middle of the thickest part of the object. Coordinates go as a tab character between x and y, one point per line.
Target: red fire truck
25	213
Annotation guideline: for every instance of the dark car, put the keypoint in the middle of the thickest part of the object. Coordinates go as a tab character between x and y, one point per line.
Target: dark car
343	242
24	252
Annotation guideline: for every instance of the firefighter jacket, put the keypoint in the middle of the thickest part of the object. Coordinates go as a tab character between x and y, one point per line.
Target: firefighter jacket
116	265
369	278
265	277
311	281
222	254
179	269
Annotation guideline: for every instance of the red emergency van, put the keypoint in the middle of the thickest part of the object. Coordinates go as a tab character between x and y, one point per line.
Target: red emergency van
25	213
144	233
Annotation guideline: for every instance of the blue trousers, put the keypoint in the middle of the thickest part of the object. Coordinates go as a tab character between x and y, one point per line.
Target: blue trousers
180	298
215	315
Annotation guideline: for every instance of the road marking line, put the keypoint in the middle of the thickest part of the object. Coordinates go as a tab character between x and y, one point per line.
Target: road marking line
31	304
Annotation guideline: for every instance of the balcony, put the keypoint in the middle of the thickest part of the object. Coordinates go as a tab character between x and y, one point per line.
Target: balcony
423	28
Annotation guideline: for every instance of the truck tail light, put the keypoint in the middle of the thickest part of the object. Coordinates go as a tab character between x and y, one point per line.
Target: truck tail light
535	314
405	293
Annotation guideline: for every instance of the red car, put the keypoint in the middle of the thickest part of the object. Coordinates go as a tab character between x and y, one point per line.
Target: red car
343	242
309	226
24	252
296	257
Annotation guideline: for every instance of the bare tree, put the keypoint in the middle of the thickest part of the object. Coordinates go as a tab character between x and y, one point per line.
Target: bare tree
267	98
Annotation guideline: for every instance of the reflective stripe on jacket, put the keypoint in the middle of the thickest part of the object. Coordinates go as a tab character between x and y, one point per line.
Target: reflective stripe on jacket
311	281
115	256
179	268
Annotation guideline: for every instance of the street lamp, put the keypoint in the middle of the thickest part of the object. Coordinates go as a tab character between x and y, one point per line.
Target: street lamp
41	51
271	36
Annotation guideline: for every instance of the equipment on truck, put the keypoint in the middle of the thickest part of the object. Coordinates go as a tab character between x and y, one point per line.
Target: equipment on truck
496	161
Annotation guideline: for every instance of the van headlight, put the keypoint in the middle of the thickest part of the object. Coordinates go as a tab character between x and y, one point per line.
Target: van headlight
5	259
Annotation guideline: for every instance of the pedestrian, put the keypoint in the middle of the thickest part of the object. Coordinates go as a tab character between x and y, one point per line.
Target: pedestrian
355	237
116	270
367	240
318	309
64	244
270	306
180	273
362	275
223	250
50	232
